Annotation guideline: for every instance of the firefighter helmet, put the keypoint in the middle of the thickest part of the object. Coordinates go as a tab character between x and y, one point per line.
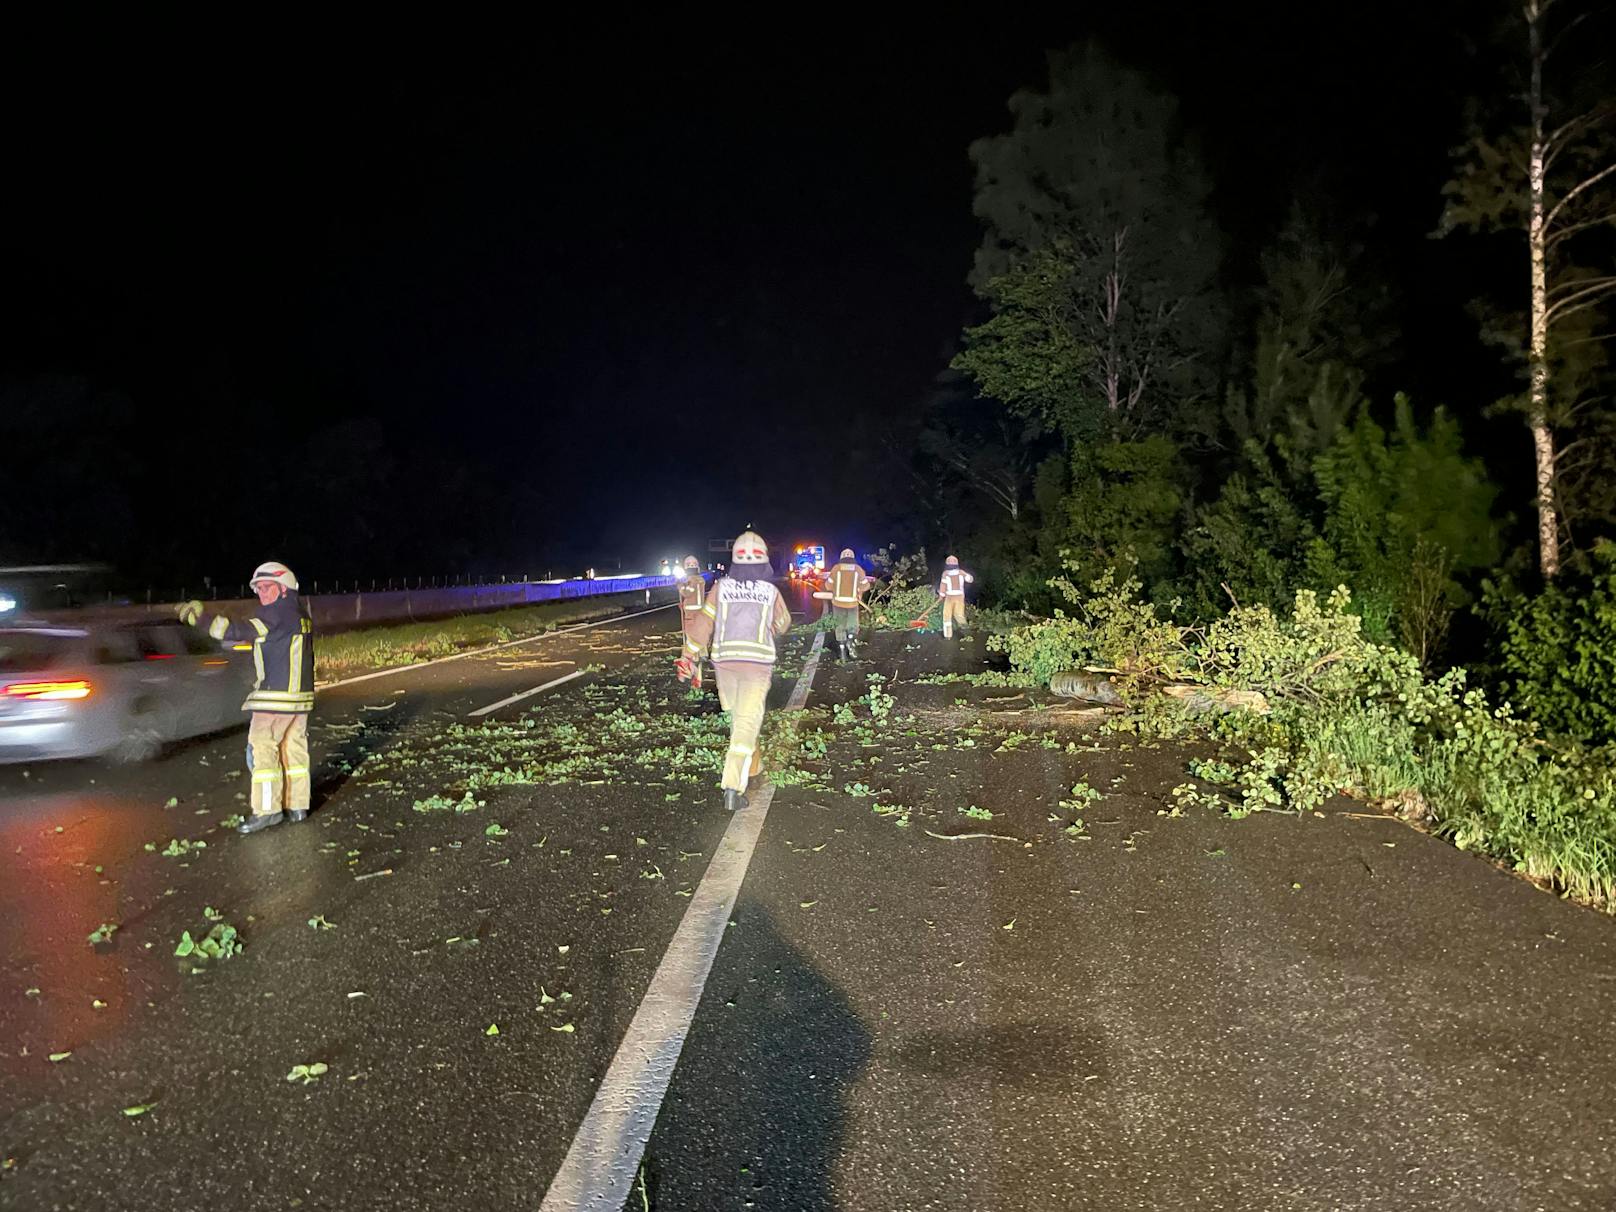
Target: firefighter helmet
847	554
692	562
750	549
275	573
952	562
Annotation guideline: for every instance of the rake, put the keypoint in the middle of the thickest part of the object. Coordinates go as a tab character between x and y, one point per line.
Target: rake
916	623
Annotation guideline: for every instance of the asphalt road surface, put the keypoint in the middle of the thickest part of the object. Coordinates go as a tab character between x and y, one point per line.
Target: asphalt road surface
1144	1011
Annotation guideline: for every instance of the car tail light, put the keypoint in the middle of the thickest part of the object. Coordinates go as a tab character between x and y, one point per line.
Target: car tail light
78	689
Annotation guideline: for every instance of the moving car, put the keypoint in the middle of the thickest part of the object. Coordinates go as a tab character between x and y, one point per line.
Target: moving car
120	690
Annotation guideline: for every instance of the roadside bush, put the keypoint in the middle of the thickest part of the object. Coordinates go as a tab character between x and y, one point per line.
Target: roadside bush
1404	510
1557	651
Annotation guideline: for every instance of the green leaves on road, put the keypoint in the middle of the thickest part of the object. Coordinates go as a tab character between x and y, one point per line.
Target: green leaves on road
221	942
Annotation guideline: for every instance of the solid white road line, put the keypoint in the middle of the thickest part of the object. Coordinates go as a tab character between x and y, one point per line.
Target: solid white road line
526	694
600	1165
460	656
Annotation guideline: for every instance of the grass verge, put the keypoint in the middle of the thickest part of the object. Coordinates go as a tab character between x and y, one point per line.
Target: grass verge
384	647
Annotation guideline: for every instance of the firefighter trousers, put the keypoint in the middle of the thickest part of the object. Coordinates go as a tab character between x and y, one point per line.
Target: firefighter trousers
280	762
845	620
687	633
743	689
953	613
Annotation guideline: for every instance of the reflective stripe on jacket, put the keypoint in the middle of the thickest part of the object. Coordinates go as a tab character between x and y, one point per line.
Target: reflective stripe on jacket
282	637
954	582
847	584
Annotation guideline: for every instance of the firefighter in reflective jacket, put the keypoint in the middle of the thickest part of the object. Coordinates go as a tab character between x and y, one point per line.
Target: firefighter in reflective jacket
952	591
282	637
738	624
847	582
692	597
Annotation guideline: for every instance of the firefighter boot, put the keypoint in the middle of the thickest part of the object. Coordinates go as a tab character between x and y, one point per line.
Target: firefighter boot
296	814
254	823
734	800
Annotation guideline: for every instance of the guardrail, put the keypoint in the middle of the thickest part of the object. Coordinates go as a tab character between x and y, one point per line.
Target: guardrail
345	611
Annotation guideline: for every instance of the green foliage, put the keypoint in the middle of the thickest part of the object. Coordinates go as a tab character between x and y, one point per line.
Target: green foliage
1113	628
1099	253
1250	541
1122	510
221	942
1030	355
877	700
1347	714
1401	510
1083	796
906	593
1398	513
1557	651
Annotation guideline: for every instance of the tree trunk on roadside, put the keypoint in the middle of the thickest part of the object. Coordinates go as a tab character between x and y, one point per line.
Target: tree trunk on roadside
1548	520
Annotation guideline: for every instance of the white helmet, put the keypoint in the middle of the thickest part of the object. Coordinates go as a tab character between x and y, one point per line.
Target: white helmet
275	573
847	554
692	562
750	549
952	562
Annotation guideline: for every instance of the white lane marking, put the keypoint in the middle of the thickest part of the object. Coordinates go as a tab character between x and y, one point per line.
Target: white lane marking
460	656
601	1163
526	694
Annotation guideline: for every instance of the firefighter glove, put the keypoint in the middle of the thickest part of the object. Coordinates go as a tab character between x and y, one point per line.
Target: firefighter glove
686	668
189	612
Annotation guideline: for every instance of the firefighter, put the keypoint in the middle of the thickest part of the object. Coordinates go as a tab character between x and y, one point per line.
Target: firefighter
282	637
737	626
952	592
692	597
847	582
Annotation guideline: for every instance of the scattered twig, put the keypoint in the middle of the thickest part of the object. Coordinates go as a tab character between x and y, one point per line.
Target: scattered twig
957	837
370	875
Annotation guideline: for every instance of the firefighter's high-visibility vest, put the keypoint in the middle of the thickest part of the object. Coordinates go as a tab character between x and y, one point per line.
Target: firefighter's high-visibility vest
692	594
845	582
954	582
743	614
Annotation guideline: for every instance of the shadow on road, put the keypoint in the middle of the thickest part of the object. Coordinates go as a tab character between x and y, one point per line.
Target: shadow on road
340	748
756	1113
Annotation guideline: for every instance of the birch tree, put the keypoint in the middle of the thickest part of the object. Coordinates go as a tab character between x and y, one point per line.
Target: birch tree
1548	175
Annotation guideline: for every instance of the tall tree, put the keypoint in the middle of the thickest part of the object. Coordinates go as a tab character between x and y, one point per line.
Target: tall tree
1319	326
1099	255
1548	175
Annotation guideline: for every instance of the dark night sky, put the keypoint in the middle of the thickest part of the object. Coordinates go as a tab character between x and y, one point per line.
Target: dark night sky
636	289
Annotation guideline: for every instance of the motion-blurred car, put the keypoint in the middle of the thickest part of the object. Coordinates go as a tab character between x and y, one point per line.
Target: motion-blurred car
120	691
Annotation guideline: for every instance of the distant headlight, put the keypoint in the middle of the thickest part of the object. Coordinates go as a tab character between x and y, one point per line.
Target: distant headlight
7	603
